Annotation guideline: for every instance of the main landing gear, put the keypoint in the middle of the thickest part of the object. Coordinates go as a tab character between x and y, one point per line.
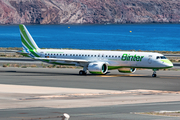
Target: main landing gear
81	72
154	73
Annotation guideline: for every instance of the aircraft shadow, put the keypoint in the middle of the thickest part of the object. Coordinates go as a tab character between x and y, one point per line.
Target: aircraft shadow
29	73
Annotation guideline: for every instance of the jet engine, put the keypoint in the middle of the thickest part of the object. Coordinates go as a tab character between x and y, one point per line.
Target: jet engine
98	68
127	70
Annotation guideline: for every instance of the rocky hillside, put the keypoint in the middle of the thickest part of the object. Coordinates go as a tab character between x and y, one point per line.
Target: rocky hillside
89	11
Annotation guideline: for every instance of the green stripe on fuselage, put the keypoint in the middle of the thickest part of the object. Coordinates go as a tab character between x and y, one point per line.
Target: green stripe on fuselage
116	67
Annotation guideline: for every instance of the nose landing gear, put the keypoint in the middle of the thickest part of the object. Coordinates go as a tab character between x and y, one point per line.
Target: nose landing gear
154	73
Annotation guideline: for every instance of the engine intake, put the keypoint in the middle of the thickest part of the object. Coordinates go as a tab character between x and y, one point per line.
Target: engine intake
98	68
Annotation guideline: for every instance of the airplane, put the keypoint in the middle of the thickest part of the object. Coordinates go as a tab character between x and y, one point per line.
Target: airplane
96	62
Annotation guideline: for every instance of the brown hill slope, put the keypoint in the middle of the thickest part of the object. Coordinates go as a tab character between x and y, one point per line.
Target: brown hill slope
89	11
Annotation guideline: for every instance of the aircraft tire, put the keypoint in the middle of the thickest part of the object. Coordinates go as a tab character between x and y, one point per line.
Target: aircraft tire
153	75
81	72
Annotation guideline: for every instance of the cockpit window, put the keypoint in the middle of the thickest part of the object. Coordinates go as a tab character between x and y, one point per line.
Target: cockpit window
161	57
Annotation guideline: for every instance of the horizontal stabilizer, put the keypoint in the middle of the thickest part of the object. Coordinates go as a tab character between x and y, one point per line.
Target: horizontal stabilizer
21	52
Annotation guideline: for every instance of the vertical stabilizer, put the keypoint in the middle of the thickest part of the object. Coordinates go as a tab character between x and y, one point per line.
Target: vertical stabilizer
29	45
26	38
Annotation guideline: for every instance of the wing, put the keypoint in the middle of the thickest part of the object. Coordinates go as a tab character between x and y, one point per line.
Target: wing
66	60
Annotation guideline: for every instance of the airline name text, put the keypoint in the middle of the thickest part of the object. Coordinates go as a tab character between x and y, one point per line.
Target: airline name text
128	57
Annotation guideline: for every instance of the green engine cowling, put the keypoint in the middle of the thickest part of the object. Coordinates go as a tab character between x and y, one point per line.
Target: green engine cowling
127	70
98	68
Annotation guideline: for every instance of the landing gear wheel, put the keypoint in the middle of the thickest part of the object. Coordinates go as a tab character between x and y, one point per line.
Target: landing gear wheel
153	75
81	72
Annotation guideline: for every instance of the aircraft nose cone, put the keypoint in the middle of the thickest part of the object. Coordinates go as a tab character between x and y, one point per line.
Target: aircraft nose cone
167	62
171	64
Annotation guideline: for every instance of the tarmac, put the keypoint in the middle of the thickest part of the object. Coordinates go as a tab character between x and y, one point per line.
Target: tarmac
47	93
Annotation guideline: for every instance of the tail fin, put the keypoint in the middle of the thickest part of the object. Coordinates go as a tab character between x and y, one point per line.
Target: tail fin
29	45
26	39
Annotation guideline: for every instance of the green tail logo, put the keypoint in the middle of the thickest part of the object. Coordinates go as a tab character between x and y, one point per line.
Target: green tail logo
29	45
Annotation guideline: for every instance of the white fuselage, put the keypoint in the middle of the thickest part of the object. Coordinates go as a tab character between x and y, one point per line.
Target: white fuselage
112	58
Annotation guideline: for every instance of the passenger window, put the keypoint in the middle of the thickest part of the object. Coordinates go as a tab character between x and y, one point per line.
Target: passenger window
157	57
109	56
94	55
98	55
106	56
91	55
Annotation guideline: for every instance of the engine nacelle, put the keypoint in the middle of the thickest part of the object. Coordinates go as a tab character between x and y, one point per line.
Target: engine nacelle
127	70
98	68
